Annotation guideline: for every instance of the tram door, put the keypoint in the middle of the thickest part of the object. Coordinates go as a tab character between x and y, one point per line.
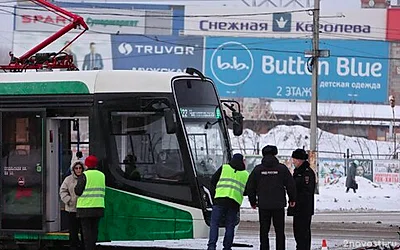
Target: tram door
23	186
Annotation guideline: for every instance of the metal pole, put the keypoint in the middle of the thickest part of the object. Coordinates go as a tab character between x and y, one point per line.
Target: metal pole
392	102
394	135
314	96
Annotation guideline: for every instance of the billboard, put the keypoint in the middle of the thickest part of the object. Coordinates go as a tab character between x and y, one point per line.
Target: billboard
91	51
331	170
364	168
256	22
386	171
393	24
100	20
157	53
6	37
278	69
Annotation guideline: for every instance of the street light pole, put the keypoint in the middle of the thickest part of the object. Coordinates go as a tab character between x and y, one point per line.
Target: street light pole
392	102
314	95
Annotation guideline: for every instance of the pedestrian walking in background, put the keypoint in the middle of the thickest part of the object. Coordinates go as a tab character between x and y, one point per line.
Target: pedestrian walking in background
351	176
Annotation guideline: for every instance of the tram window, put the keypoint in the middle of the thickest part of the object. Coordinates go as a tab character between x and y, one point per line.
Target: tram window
83	124
145	151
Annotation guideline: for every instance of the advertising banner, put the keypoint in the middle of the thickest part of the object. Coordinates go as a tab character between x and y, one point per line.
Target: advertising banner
278	69
91	51
331	170
6	37
393	24
157	53
386	171
102	20
257	22
364	168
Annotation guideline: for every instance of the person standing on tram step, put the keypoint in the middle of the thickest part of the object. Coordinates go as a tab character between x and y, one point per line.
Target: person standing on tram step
90	206
68	196
266	188
304	177
229	183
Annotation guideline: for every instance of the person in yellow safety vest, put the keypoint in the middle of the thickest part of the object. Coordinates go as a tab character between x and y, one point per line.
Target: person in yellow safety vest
90	206
229	183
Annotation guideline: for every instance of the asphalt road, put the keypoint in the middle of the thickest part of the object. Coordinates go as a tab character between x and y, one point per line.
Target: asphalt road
342	231
388	218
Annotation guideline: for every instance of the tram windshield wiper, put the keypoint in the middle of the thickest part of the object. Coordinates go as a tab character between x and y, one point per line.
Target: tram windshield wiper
209	124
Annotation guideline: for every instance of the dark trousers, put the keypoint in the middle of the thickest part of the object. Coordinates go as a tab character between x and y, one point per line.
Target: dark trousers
90	228
278	220
354	190
74	229
302	231
230	218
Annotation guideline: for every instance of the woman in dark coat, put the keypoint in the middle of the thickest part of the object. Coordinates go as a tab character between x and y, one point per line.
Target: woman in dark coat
351	176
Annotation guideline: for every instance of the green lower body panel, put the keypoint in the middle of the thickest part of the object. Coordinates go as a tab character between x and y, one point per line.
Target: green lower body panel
129	217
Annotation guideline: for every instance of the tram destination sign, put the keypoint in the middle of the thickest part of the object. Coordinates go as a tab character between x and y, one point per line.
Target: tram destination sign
200	112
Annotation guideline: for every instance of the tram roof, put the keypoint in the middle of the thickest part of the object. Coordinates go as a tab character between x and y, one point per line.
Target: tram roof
86	82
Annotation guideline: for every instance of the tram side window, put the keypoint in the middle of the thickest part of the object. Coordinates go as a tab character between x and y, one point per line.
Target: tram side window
145	151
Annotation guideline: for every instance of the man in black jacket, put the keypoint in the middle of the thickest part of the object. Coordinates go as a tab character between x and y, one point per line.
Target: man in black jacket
304	177
266	189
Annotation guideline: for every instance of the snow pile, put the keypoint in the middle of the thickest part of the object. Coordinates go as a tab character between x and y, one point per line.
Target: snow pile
369	196
288	138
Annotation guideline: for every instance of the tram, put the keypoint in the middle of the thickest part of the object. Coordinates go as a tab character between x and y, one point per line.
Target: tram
173	124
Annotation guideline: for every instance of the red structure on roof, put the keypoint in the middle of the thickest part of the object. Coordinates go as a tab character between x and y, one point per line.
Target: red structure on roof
57	60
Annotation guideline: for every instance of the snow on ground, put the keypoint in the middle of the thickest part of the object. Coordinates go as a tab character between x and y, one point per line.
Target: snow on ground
369	196
288	138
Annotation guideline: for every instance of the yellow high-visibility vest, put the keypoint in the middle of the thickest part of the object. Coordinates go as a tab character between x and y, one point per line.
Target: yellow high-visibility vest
94	192
231	184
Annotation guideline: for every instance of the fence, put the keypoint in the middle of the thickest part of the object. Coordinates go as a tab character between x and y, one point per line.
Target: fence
331	169
324	154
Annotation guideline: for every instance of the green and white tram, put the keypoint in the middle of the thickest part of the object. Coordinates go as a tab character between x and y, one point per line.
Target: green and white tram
172	124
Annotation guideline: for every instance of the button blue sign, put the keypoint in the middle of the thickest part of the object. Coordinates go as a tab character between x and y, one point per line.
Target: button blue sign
278	69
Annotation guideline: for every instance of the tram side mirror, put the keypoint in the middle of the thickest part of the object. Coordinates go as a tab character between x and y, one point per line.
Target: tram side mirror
237	123
170	123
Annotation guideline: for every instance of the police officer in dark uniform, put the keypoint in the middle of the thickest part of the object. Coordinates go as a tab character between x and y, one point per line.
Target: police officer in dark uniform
304	177
266	189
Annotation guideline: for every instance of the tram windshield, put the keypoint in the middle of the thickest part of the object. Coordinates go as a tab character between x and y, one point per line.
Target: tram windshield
202	118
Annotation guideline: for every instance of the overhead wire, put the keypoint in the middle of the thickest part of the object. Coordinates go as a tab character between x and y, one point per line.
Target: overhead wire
140	26
173	16
206	48
230	31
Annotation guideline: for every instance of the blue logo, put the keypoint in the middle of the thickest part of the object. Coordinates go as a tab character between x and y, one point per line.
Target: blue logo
282	22
232	63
